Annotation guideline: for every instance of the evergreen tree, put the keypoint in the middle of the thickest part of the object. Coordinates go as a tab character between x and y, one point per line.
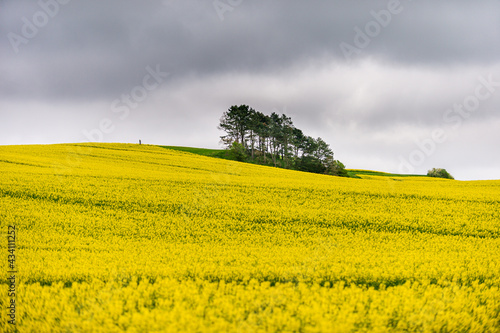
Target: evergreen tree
250	132
235	122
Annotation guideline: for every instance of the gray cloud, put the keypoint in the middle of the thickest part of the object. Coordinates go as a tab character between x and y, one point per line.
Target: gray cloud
279	54
91	48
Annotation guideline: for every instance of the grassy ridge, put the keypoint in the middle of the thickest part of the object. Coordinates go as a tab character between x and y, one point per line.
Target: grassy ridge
356	173
222	153
219	153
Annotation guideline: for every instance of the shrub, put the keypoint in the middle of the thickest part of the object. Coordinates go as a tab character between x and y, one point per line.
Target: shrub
439	173
238	152
337	168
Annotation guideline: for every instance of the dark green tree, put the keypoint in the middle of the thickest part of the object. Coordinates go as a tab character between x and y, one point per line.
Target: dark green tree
276	132
238	152
235	122
263	132
298	139
439	173
286	139
323	151
336	168
251	134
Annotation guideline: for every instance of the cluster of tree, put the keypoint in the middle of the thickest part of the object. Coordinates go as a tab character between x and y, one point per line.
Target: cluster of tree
439	173
274	140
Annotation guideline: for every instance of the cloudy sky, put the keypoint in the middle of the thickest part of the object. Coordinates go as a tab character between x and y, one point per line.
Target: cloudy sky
396	86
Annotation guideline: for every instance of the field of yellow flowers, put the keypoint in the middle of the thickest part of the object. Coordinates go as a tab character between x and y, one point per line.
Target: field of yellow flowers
138	238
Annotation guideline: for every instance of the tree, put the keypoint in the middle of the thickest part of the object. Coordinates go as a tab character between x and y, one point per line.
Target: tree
298	138
286	138
323	151
251	134
439	173
254	128
309	146
275	129
238	152
261	123
336	168
235	122
309	163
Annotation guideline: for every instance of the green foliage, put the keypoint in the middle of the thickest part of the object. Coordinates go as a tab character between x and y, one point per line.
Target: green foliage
337	168
299	164
274	140
353	173
238	152
218	153
235	122
439	173
310	163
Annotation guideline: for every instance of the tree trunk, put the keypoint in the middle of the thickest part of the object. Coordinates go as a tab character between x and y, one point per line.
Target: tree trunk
252	139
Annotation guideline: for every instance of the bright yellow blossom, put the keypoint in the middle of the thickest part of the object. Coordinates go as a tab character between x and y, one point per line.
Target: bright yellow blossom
129	238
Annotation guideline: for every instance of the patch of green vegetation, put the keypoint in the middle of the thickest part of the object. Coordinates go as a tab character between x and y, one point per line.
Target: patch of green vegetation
439	173
226	154
357	173
218	153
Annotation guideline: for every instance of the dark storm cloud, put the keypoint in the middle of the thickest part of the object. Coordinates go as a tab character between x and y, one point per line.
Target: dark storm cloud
92	48
373	78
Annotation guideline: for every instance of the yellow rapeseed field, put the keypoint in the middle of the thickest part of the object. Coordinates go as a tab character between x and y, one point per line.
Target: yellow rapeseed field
137	238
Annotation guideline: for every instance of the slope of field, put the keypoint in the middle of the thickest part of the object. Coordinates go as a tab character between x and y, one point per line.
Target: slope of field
219	153
222	153
116	237
359	173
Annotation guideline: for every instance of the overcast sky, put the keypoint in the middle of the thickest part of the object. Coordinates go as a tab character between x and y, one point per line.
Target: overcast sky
395	86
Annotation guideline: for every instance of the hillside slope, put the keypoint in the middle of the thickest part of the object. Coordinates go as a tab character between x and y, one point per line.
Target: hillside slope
117	237
225	154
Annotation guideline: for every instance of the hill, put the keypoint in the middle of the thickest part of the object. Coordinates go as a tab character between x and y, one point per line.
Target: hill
224	154
219	153
120	237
